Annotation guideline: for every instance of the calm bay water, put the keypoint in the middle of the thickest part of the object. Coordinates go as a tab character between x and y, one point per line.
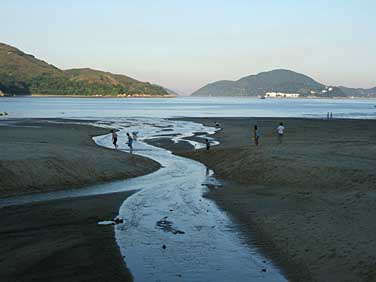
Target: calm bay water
185	106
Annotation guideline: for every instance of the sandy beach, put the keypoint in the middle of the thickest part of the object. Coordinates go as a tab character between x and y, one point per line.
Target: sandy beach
37	156
308	203
60	240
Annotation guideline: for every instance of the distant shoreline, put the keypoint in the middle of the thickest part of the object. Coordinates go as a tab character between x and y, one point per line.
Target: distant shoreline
176	96
287	98
85	96
100	96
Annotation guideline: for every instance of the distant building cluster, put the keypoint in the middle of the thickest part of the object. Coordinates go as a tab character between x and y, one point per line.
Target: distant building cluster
281	95
326	90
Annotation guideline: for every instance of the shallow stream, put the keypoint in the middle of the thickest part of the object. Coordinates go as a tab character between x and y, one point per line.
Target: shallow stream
170	231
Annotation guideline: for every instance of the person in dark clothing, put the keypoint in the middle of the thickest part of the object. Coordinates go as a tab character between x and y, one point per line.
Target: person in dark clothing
207	142
130	143
114	138
256	135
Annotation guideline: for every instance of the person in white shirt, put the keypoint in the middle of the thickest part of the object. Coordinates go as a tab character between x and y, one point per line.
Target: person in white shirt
280	132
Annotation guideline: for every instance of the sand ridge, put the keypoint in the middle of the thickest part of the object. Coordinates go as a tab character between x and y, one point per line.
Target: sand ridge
37	156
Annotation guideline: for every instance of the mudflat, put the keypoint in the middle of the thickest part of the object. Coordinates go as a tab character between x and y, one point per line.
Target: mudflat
43	155
308	203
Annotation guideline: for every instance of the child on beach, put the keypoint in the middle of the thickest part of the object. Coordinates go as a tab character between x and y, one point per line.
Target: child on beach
280	132
114	138
130	143
256	135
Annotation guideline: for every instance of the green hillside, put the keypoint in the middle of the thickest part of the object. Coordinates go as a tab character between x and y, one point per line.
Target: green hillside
23	74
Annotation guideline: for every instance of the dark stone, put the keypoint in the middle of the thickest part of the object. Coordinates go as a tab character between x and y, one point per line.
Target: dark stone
118	220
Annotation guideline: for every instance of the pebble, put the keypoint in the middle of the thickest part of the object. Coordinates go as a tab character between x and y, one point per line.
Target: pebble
118	220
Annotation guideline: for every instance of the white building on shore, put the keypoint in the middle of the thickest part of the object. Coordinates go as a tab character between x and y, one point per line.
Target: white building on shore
281	95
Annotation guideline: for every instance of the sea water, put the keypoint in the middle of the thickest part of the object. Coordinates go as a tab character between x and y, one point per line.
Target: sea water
56	107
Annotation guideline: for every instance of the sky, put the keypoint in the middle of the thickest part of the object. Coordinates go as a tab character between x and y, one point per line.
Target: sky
183	45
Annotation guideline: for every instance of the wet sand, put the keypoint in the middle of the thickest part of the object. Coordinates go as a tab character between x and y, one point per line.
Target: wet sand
38	156
60	240
308	203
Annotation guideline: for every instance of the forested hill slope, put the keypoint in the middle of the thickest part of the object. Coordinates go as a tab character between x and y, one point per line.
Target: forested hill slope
23	74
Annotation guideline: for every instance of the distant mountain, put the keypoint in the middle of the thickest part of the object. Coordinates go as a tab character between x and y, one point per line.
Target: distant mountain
359	92
280	80
171	92
23	74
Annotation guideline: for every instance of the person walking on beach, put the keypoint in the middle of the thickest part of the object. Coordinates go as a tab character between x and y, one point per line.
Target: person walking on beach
280	132
114	138
130	143
256	135
207	142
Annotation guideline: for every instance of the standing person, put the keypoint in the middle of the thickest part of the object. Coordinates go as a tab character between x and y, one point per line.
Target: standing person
280	132
130	143
114	138
256	135
331	115
207	142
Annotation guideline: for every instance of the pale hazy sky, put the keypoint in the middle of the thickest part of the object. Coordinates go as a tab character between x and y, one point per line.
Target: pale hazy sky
183	45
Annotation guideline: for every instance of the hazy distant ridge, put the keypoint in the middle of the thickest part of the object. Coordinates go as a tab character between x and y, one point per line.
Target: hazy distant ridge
23	74
359	92
280	80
